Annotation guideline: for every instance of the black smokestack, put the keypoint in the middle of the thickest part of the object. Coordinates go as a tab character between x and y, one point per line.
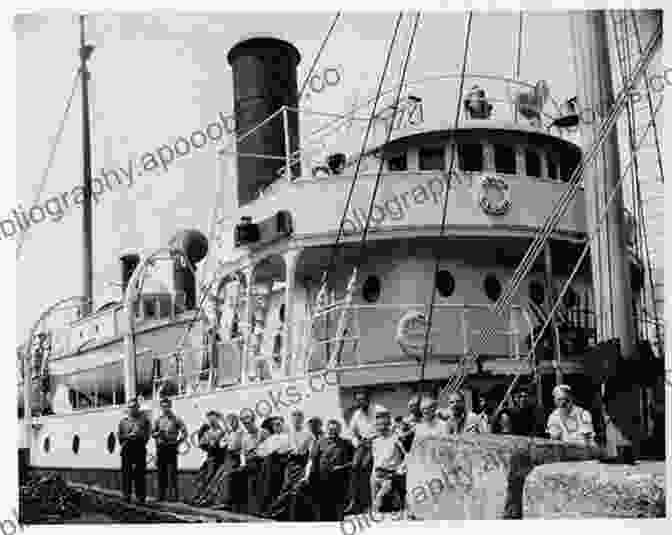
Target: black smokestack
264	80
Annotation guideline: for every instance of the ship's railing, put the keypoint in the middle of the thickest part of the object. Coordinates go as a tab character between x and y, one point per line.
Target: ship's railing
371	333
425	104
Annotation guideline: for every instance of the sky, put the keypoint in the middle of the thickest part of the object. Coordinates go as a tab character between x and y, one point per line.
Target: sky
162	75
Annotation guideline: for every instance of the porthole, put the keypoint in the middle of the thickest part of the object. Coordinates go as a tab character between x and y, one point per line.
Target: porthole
492	287
536	292
445	283
75	444
111	442
46	445
371	289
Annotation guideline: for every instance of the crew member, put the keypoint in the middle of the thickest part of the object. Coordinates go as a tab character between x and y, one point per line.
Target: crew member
388	455
569	422
483	412
210	438
431	426
527	418
251	461
133	435
330	459
406	428
363	429
291	503
459	420
168	432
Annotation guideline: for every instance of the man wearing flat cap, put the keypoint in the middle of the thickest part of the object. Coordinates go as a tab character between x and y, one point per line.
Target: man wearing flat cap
569	422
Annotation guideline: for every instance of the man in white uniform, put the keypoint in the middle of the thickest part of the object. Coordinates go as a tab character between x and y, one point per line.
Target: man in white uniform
569	422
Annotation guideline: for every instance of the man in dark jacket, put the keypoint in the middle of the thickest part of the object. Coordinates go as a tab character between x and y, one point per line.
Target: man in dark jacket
133	436
527	418
168	432
330	459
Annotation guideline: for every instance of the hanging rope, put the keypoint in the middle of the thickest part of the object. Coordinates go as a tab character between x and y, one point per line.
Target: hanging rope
577	265
430	315
50	161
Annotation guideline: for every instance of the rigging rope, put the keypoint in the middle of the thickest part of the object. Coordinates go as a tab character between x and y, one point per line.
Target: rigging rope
560	207
50	161
638	206
430	316
319	53
649	99
533	251
516	72
577	265
624	64
334	248
388	136
206	291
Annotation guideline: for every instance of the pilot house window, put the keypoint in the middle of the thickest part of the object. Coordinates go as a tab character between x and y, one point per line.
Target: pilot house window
432	159
397	163
470	156
505	159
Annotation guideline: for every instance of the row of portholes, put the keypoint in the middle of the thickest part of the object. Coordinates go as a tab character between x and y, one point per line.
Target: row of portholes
445	286
76	443
111	443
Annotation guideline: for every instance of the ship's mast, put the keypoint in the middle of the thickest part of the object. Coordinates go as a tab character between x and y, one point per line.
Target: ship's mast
85	52
609	260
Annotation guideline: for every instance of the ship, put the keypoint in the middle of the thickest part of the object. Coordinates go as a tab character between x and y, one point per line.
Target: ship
440	255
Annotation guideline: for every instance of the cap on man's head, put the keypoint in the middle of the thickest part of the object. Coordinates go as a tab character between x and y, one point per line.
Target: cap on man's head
562	389
428	401
381	411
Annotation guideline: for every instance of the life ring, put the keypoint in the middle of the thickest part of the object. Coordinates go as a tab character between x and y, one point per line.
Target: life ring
411	331
494	207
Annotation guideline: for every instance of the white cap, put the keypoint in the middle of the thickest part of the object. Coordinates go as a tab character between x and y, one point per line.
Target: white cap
379	409
562	388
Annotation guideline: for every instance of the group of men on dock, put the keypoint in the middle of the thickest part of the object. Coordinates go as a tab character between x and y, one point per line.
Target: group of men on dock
296	471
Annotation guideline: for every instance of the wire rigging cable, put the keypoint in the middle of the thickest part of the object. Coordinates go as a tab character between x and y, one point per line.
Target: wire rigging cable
649	100
334	248
50	161
319	53
516	70
582	256
388	136
642	243
448	176
560	207
207	290
526	264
